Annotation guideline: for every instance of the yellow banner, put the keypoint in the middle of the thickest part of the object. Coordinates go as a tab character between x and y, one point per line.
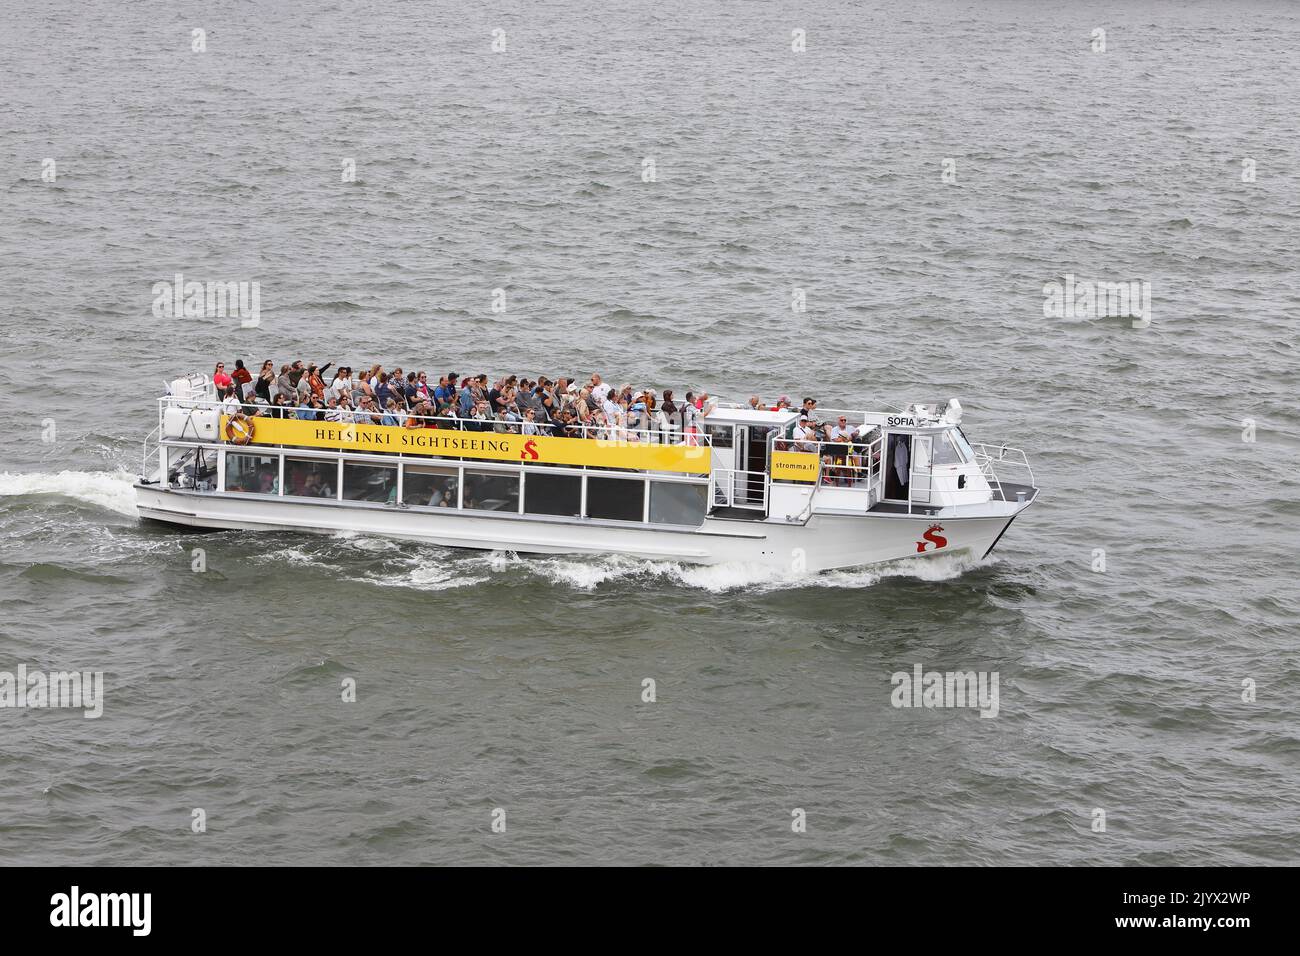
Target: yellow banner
450	443
794	466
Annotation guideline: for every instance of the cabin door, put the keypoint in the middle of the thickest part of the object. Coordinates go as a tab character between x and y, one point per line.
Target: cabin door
922	469
897	466
751	441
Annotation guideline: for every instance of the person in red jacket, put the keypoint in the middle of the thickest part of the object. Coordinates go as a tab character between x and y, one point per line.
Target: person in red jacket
240	377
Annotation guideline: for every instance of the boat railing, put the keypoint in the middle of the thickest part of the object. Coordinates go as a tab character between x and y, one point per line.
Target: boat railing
734	488
991	458
605	434
842	464
153	439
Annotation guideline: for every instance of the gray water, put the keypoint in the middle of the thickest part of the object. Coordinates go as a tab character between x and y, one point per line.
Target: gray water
493	681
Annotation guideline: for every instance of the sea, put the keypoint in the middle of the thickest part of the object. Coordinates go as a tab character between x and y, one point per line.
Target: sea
872	204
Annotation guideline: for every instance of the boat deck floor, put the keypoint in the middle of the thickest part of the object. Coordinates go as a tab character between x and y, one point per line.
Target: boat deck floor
738	514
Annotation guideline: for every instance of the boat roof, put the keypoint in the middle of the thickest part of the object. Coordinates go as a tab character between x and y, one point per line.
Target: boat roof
732	415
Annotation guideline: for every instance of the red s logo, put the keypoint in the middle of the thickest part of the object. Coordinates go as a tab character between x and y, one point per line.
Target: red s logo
530	450
933	537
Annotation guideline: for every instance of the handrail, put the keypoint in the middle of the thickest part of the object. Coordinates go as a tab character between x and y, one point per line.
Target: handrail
1007	456
144	450
730	475
607	433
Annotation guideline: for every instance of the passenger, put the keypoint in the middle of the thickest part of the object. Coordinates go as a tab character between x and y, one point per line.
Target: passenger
361	391
508	421
755	403
446	391
220	379
529	426
265	381
805	437
367	412
464	400
342	384
609	408
284	384
316	380
423	389
840	435
669	420
690	420
415	418
438	499
240	377
638	421
391	417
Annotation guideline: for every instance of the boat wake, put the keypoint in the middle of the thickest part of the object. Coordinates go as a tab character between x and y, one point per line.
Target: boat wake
103	489
617	570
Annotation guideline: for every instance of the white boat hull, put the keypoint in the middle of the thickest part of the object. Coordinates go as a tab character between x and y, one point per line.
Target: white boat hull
825	542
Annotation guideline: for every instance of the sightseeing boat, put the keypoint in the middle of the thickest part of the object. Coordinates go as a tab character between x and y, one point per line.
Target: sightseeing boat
746	489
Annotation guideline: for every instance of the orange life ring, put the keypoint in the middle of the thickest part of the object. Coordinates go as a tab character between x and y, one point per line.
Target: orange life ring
239	430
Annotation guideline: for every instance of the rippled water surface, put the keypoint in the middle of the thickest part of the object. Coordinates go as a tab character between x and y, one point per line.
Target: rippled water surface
494	681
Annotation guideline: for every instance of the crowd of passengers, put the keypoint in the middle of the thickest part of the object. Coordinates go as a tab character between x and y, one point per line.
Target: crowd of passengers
514	404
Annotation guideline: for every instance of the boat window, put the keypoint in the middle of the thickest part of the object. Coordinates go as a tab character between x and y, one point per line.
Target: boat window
370	482
310	477
618	499
426	487
253	474
553	494
721	435
959	439
673	502
492	491
194	468
945	453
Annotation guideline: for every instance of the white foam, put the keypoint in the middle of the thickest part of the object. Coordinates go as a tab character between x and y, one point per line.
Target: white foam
588	574
426	578
110	490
